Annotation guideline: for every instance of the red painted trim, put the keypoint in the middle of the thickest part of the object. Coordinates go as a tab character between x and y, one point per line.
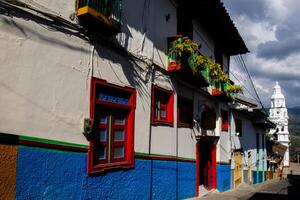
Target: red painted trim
115	105
128	161
224	120
169	107
163	158
197	169
214	166
52	146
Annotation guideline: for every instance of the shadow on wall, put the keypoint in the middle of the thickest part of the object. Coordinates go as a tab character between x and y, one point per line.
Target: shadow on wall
136	75
49	22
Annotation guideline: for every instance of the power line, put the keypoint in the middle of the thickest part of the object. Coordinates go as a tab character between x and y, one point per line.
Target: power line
243	85
245	68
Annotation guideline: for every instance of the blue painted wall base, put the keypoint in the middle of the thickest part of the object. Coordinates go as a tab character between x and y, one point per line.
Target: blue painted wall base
47	174
223	177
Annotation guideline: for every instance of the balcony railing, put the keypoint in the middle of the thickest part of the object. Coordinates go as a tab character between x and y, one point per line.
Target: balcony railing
106	12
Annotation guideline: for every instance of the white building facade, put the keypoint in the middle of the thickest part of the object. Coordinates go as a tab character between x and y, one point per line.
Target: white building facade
59	73
279	115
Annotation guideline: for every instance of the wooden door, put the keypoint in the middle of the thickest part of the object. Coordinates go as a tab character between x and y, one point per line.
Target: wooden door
237	168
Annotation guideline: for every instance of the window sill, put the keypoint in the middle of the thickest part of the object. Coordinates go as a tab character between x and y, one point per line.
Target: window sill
162	123
101	168
184	125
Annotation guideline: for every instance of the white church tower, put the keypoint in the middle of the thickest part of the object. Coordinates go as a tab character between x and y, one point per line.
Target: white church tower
279	115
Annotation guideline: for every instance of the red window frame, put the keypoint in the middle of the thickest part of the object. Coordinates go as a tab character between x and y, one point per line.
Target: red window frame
224	120
182	101
165	99
101	106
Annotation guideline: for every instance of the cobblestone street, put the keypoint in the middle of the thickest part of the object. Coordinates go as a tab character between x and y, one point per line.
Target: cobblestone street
286	188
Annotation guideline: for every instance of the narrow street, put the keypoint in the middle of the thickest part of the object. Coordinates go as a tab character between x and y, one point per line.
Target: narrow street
286	188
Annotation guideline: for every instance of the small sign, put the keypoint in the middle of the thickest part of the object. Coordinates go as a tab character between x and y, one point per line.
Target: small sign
113	99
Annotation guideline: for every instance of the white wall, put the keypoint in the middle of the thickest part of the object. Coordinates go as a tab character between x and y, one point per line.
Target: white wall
223	146
43	86
248	142
45	75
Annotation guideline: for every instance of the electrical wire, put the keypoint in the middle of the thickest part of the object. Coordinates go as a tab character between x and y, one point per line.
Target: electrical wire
251	81
240	82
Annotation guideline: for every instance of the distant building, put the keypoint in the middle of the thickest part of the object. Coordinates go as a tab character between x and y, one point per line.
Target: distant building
279	115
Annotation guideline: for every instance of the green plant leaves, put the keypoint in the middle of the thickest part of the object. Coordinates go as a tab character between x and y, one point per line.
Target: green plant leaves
185	51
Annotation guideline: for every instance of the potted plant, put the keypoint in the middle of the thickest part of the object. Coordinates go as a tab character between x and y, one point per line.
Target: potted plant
233	90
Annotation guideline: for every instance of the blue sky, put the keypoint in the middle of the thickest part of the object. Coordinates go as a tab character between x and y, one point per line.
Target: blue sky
271	31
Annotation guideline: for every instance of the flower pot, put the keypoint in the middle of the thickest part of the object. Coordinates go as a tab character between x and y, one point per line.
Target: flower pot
225	87
205	73
173	66
219	86
215	91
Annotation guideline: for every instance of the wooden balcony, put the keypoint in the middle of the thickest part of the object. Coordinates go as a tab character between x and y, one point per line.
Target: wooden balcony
100	15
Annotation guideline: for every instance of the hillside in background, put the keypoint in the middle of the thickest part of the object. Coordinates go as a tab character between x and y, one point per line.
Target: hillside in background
294	129
294	120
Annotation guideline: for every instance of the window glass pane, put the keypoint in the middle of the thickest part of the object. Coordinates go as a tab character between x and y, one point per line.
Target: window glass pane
103	135
119	135
156	113
103	119
102	152
119	152
163	113
119	120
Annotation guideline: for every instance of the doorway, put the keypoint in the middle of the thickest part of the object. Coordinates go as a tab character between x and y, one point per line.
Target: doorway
206	165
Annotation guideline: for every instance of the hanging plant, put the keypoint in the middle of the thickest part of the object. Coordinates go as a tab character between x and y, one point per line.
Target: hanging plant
187	47
215	71
234	88
224	78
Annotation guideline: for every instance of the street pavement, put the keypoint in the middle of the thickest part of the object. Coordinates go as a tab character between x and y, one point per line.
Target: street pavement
277	189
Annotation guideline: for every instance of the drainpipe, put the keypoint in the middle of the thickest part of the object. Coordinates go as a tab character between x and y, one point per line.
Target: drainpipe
230	143
150	134
177	171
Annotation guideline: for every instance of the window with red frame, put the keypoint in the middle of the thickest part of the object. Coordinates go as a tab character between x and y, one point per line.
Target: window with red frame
184	112
162	106
112	109
225	121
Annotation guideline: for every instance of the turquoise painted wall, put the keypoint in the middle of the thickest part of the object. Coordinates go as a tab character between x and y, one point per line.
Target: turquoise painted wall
258	177
50	174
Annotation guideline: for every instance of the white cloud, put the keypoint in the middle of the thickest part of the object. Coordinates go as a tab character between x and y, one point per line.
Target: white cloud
271	30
